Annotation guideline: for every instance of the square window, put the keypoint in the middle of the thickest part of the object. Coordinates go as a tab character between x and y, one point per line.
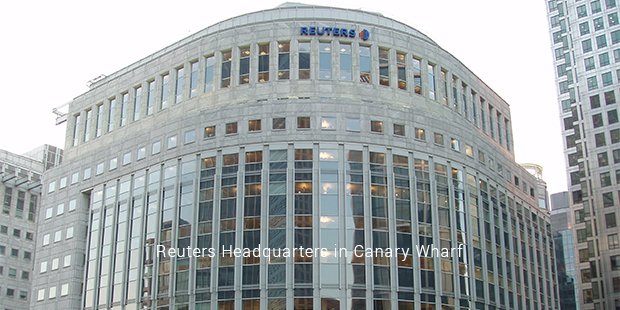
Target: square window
399	130
155	147
172	142
420	134
126	158
610	220
113	163
438	138
209	131
14	252
254	125
189	136
376	126
303	122
601	41
231	128
328	123
278	123
599	139
610	97
141	153
17	233
86	174
353	124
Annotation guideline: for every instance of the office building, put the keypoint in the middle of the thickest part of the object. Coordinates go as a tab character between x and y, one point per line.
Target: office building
586	45
294	127
564	244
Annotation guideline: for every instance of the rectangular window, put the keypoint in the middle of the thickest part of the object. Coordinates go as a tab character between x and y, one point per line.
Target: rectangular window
124	107
209	131
420	134
365	73
592	83
254	125
112	114
284	60
263	62
76	128
328	123
150	98
303	122
165	90
376	126
610	220
399	130
615	37
193	79
304	60
601	41
209	73
345	62
401	63
417	75
226	68
99	124
438	138
584	28
589	63
384	66
607	78
603	59
353	124
455	145
278	123
244	65
582	11
325	60
586	45
231	128
89	116
180	85
137	103
431	81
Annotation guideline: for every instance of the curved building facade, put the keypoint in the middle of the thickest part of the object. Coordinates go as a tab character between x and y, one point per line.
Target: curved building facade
300	127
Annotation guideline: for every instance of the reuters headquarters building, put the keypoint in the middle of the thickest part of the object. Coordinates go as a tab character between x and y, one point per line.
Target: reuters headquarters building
300	157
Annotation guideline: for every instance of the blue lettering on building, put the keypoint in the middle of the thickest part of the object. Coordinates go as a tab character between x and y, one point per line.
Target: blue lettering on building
333	31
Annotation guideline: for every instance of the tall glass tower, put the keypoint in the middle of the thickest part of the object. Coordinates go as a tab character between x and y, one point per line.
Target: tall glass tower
586	46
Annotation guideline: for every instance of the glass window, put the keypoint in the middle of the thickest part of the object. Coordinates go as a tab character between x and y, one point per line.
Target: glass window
345	62
231	128
99	124
595	6
454	144
612	19
278	123
303	122
420	134
365	73
141	154
124	107
284	60
126	158
155	147
592	83
603	59
615	37
607	78
254	125
399	130
137	103
244	65
612	116
172	142
598	23
165	90
325	60
189	136
328	123
226	68
209	131
584	28
610	3
180	85
113	163
469	150
384	66
304	60
76	128
112	114
353	124
589	63
438	139
69	233
582	11
376	126
417	75
209	73
597	120
193	79
431	81
601	41
263	62
150	98
586	45
610	220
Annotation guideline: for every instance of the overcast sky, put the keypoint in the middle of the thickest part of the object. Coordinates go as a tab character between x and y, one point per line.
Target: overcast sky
52	48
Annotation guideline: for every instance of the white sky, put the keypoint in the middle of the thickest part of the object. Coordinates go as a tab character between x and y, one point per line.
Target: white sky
50	49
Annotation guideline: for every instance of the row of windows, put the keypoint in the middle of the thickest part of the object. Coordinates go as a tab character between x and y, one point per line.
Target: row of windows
54	264
52	291
12	293
603	60
326	123
606	79
442	85
26	255
15	204
17	233
595	7
60	209
57	236
14	273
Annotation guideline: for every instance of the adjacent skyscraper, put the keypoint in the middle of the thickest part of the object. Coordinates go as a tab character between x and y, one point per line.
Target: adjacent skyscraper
586	46
299	127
